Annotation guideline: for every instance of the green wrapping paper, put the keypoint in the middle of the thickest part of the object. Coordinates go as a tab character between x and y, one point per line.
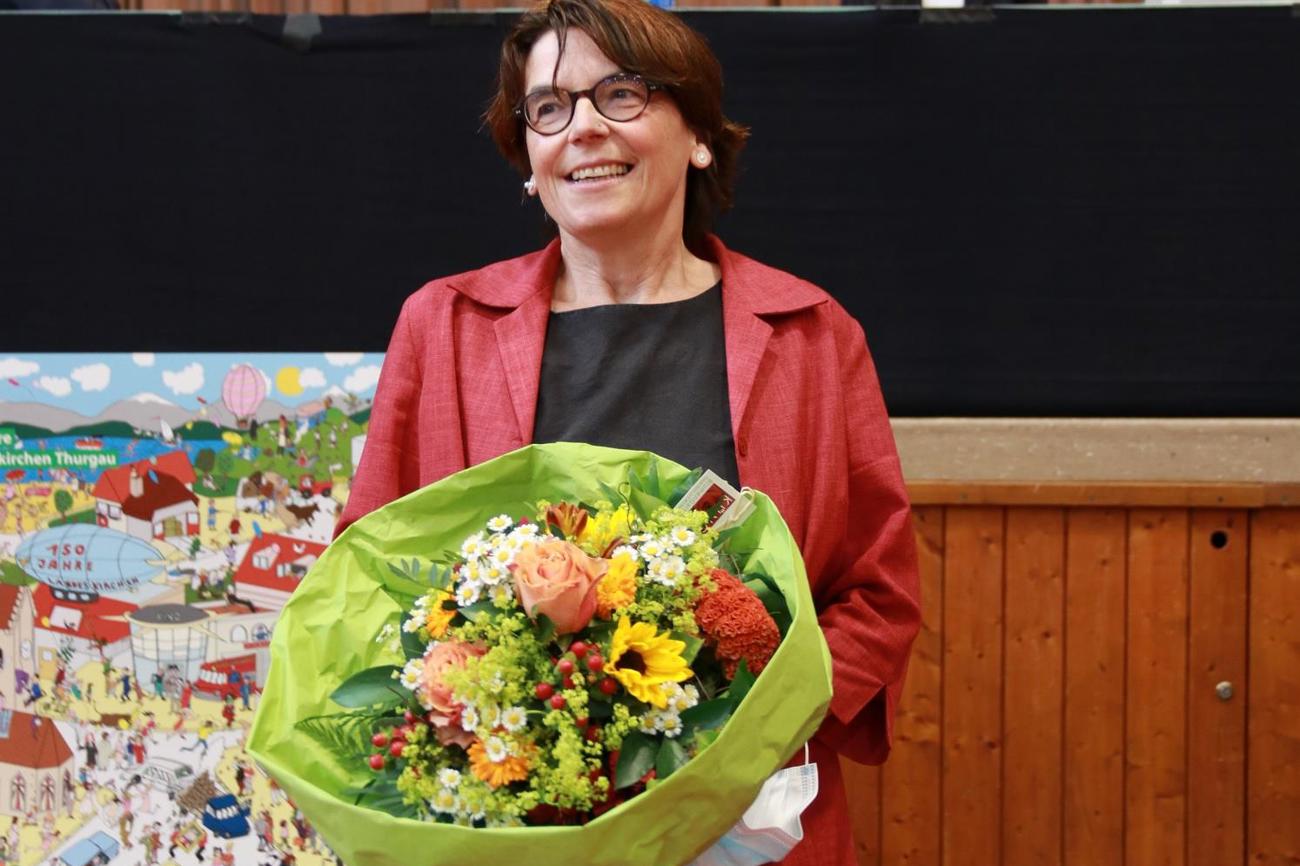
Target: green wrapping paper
327	632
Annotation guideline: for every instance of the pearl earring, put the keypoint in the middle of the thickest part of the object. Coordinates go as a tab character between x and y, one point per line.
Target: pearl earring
530	185
702	157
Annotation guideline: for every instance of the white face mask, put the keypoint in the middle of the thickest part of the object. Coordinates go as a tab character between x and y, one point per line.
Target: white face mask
770	827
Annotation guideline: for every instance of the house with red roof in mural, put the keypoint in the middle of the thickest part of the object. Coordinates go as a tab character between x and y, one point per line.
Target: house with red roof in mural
17	639
36	766
150	499
272	568
81	628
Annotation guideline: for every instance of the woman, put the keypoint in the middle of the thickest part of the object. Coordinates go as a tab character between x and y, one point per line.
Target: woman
637	328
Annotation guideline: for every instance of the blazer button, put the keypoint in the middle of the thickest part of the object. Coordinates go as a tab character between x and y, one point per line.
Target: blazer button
743	446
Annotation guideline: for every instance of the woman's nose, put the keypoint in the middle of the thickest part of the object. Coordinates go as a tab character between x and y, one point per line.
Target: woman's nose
587	121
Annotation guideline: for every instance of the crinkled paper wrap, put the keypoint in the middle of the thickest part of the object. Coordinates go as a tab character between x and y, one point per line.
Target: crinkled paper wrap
326	633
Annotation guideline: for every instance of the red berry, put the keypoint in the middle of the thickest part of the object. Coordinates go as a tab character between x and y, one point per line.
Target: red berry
380	740
544	690
582	722
593	733
564	666
376	762
568	682
596	663
557	702
578	648
396	748
409	716
609	685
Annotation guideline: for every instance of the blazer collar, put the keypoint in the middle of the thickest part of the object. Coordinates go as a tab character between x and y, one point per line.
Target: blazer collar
523	286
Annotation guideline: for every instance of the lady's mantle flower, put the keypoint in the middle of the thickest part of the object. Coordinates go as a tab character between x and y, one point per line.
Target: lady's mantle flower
641	659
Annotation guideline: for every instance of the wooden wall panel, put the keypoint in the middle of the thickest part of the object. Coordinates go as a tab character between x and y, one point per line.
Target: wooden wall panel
1093	763
862	784
911	809
1031	792
1216	728
1273	693
1156	718
972	687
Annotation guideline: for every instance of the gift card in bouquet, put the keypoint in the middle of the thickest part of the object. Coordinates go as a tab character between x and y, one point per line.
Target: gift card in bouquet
725	505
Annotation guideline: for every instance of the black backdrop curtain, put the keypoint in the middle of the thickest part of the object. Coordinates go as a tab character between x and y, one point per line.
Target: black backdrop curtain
1047	212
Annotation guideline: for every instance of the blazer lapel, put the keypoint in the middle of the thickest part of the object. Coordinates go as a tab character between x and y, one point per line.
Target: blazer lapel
521	337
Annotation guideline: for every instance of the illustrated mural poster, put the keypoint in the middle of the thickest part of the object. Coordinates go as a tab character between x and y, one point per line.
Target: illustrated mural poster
156	512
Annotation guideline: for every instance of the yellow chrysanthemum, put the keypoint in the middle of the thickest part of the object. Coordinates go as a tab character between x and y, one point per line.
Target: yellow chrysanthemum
641	659
618	588
511	768
607	526
438	619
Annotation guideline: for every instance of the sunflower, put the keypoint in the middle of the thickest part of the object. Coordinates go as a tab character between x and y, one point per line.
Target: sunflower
618	589
438	618
495	764
640	659
605	528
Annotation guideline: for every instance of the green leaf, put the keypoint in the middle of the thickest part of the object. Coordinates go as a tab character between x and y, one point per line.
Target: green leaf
671	758
439	576
477	609
693	645
652	479
741	683
685	484
635	759
412	646
346	735
705	716
370	687
704	739
545	629
767	591
644	504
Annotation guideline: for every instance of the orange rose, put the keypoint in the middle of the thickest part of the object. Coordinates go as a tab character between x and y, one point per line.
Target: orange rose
556	579
435	694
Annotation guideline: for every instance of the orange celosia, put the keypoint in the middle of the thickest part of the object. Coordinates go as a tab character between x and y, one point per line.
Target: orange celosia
513	768
734	620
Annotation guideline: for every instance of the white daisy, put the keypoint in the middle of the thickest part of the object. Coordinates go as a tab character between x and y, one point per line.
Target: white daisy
692	693
513	719
445	801
494	574
670	724
469	719
467	593
652	549
525	531
626	550
496	750
448	777
502	556
413	623
502	595
682	536
473	546
500	523
411	674
650	723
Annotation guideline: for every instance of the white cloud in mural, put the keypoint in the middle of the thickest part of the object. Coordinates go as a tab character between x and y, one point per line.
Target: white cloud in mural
186	380
56	385
343	359
92	377
362	379
310	377
14	367
142	359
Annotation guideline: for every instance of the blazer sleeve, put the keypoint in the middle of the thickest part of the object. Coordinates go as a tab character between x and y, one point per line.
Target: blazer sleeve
389	466
870	608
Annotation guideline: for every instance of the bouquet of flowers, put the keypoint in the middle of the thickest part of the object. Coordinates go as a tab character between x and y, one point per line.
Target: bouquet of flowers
541	657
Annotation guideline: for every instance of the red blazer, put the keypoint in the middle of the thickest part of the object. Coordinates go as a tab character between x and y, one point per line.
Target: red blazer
459	386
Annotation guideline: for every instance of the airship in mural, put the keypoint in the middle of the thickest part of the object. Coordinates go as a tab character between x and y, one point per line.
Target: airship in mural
243	390
79	561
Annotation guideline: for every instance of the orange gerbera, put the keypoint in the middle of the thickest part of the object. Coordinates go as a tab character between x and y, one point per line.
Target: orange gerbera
510	767
439	619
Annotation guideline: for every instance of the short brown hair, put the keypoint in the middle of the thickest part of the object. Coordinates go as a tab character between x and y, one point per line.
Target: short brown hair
647	41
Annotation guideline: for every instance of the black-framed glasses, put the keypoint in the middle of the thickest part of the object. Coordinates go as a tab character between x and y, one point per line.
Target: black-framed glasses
620	97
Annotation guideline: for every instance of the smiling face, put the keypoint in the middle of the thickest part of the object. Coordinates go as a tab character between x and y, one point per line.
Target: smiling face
599	177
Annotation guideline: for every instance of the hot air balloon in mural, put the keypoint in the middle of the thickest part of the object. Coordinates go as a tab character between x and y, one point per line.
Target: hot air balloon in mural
243	391
79	561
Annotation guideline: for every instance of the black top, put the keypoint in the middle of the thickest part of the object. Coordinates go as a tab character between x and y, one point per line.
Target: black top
644	376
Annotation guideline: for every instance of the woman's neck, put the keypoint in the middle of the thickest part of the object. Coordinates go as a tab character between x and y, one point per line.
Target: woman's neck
641	270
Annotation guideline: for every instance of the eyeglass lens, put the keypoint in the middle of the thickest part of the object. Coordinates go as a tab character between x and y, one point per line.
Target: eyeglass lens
618	98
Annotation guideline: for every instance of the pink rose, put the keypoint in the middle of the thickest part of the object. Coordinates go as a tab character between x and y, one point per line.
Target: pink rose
434	692
556	579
